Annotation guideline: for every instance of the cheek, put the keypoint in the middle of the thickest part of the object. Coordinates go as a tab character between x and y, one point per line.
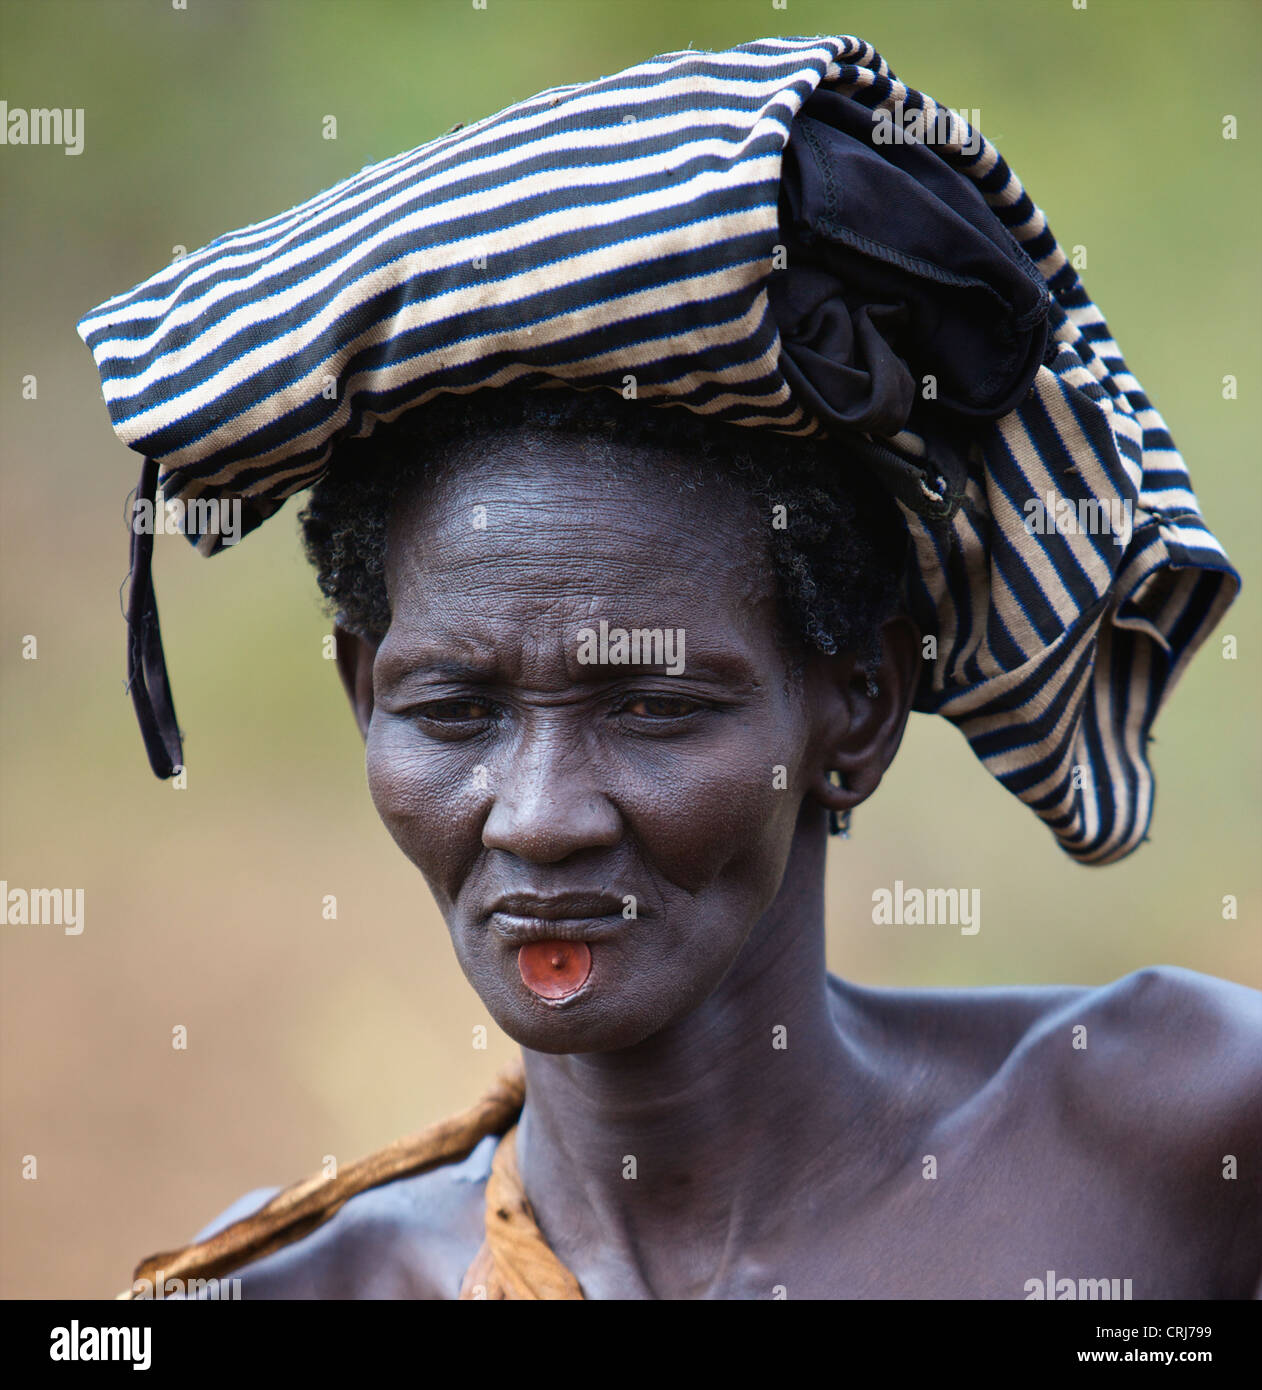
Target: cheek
714	833
724	822
430	804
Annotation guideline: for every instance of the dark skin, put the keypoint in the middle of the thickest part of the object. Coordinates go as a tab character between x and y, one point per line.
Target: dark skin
502	765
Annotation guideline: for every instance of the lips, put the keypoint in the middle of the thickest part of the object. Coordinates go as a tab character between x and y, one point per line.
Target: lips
554	934
523	918
555	906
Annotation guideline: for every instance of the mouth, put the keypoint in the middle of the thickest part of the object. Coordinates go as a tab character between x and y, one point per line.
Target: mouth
523	918
554	936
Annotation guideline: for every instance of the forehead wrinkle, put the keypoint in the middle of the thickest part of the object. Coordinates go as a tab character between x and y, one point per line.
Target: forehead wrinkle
589	582
525	479
538	505
534	637
552	521
560	564
543	654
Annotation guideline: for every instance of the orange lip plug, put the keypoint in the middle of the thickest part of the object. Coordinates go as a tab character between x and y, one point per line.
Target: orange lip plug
554	969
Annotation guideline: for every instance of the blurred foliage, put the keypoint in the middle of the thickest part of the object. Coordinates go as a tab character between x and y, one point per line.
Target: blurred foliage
309	1036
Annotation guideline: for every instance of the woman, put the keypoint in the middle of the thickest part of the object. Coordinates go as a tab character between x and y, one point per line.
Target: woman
618	668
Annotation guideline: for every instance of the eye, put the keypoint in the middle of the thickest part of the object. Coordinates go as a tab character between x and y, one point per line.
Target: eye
456	711
659	707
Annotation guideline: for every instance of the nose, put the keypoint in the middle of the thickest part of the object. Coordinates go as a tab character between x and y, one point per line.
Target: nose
548	803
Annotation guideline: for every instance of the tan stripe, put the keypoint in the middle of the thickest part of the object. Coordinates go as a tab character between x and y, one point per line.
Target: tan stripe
690	341
451	305
536	115
515	1261
361	238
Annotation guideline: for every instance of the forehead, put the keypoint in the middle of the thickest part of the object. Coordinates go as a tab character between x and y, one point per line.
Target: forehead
574	514
518	543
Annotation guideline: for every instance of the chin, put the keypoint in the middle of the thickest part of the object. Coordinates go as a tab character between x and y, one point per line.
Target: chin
575	1025
591	1019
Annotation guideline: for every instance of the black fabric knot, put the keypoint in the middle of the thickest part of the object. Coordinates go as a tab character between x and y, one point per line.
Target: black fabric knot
896	271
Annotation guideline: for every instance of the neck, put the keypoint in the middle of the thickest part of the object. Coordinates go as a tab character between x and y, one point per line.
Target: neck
675	1144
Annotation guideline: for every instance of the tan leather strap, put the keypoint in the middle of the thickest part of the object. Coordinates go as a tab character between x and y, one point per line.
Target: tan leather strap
515	1261
305	1205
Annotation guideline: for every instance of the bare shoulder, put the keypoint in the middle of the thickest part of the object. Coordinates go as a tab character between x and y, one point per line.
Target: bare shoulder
1156	1081
1133	1108
1164	1058
1170	1053
413	1238
1162	1038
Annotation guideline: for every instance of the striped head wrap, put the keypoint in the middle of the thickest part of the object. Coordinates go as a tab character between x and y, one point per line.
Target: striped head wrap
780	236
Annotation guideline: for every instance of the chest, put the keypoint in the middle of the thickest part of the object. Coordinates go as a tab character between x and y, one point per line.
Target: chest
964	1223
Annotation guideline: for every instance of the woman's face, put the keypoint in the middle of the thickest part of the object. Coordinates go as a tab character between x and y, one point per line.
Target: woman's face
633	819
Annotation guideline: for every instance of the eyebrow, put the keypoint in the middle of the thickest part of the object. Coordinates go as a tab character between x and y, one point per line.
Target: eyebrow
402	666
396	669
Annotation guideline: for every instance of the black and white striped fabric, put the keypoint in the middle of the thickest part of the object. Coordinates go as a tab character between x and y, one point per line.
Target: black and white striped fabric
627	227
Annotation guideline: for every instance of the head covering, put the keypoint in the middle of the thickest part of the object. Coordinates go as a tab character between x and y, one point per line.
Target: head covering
780	236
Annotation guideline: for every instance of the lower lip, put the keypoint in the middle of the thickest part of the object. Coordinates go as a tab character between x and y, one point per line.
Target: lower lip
554	969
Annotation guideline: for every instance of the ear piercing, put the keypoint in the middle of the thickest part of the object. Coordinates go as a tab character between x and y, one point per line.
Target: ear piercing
838	821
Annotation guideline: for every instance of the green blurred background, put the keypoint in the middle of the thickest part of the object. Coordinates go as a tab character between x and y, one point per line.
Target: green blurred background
310	1037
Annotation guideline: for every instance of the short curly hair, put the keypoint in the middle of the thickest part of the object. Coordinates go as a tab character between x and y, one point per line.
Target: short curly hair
836	546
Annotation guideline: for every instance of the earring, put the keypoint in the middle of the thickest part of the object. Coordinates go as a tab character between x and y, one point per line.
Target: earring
838	821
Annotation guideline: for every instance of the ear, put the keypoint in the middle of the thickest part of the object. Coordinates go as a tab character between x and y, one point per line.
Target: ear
355	656
861	730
